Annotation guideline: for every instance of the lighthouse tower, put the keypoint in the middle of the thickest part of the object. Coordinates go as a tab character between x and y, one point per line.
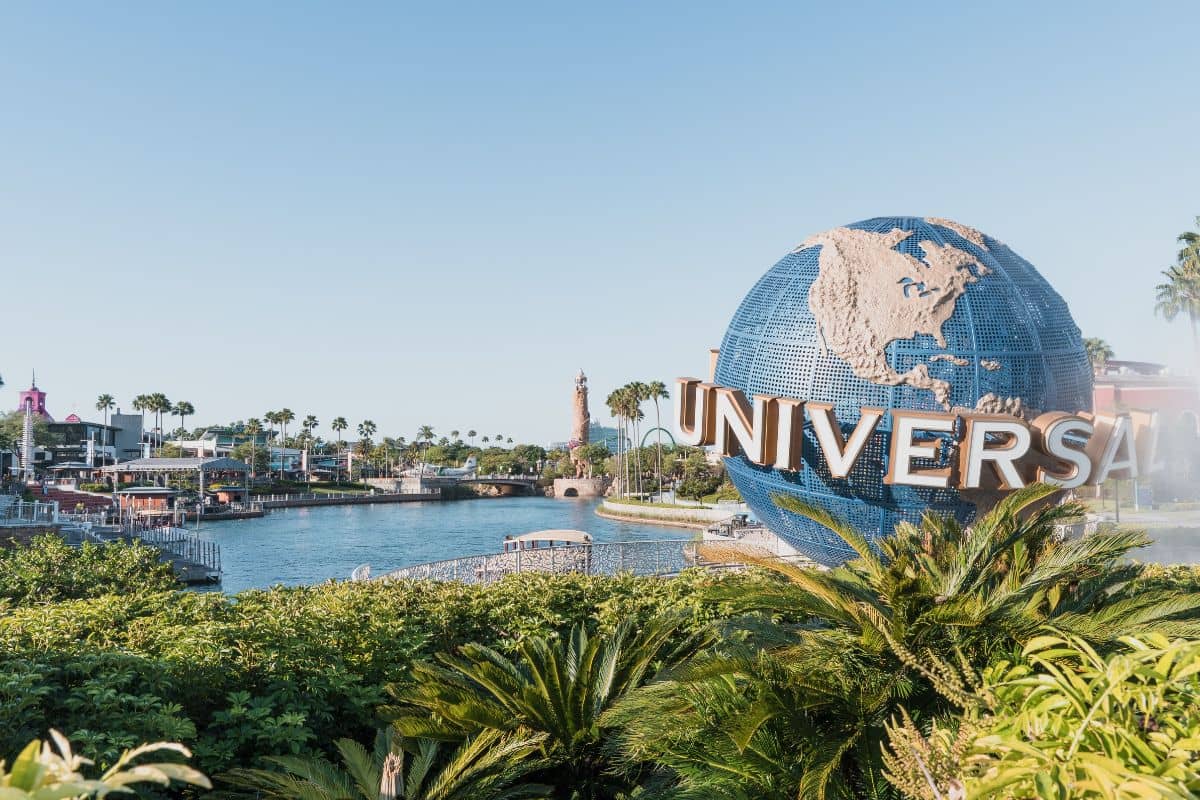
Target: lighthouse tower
583	484
580	419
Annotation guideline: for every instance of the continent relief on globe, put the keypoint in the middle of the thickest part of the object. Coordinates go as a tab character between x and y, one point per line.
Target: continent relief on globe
861	305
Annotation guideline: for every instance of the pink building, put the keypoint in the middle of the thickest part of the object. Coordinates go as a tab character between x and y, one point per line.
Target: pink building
37	398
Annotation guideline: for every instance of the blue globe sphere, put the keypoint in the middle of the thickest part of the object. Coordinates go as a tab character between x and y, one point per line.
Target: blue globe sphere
825	324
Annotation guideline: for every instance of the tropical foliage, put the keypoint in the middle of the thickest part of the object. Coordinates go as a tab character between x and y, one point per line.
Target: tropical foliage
784	704
558	689
1062	720
489	766
50	770
923	667
1067	722
49	570
285	671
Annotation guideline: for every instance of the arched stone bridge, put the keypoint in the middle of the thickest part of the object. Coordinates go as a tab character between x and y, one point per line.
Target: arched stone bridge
504	484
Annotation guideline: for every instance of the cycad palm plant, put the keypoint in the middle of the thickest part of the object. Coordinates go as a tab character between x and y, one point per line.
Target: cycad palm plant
557	688
858	640
991	583
489	766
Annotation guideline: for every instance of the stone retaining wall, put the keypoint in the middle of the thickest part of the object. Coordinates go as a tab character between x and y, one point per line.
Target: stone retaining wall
580	487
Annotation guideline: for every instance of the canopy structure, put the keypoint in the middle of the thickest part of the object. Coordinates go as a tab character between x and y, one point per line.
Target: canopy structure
161	466
167	466
551	536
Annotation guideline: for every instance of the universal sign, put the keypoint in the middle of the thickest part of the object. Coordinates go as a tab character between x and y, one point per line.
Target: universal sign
1061	449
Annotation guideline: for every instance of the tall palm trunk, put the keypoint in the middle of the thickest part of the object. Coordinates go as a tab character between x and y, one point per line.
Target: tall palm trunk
637	435
629	462
658	447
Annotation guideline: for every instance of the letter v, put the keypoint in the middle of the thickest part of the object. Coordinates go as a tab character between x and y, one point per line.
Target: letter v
840	454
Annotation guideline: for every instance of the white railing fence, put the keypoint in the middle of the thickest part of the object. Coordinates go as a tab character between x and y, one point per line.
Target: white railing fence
648	558
21	512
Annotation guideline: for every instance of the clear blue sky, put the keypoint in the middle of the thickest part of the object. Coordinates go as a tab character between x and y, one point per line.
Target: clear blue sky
438	213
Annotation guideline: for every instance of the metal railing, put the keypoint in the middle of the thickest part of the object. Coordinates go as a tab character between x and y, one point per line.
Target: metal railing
184	544
21	512
284	498
648	558
84	517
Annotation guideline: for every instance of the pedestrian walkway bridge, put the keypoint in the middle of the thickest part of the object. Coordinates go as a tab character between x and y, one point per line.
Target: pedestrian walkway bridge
524	481
662	558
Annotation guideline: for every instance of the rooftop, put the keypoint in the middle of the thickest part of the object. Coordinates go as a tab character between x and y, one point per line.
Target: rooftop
179	465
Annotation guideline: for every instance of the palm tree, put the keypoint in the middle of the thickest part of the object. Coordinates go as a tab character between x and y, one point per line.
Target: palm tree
558	687
486	767
272	418
471	437
486	440
366	429
159	404
508	440
104	402
286	416
183	409
638	393
454	436
896	617
657	390
141	403
1180	294
253	429
616	406
1098	352
339	424
425	434
309	424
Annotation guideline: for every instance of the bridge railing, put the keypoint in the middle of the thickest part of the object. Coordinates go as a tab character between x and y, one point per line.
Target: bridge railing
523	478
185	544
285	498
648	558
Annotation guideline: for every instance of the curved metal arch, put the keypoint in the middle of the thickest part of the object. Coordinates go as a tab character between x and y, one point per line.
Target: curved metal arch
652	430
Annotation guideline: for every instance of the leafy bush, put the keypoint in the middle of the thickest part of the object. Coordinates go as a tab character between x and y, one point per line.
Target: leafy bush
271	672
1069	723
1061	721
48	570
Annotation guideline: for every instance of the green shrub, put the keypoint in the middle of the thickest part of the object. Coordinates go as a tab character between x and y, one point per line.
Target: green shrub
1061	721
268	672
48	570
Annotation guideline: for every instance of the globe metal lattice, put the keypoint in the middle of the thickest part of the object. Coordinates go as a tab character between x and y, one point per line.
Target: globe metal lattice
1010	335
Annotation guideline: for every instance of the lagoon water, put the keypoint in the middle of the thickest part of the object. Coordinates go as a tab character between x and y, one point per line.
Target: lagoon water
310	545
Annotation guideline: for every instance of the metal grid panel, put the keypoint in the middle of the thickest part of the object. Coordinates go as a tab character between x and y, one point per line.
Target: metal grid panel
1010	316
